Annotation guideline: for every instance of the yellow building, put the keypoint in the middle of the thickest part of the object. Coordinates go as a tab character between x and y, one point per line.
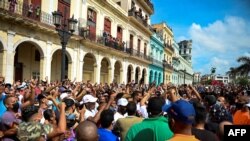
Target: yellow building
168	36
110	44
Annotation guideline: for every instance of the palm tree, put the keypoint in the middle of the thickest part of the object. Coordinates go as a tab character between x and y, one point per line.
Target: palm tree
244	68
232	73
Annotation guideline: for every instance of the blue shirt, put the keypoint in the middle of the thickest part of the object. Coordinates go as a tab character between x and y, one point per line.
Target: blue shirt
2	106
106	135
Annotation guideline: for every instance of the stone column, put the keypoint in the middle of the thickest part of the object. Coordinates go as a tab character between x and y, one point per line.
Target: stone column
9	55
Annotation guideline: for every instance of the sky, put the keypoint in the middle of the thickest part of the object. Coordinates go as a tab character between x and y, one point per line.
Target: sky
219	29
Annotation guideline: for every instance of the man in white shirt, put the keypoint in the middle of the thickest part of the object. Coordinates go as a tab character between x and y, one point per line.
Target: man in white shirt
90	104
121	112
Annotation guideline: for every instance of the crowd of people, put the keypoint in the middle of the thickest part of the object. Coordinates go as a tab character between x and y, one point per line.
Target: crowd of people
35	110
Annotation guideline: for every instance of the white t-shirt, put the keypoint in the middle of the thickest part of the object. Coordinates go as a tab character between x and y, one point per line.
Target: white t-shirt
89	113
118	115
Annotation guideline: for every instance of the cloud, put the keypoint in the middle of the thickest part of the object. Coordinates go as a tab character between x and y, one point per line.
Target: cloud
219	44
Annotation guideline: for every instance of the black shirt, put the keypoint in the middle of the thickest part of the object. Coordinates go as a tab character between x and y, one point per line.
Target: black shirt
204	135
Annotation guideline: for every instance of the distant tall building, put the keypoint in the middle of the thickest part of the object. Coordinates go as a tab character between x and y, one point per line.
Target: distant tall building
186	50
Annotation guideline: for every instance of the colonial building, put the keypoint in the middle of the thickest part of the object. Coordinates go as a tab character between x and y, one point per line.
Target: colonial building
185	68
166	32
157	56
111	43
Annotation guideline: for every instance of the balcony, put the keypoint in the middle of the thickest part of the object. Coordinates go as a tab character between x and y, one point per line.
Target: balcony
169	67
156	62
149	7
139	20
170	47
23	13
138	17
138	54
113	43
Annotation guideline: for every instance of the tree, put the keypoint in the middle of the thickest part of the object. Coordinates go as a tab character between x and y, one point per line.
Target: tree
243	81
232	73
244	68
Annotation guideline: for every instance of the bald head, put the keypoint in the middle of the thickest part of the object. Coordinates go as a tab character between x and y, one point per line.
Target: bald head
87	131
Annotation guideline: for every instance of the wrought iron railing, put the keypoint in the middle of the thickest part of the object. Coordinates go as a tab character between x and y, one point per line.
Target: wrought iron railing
149	4
138	17
26	10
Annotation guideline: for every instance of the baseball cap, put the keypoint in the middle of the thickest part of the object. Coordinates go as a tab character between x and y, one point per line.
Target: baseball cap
181	110
88	98
63	95
122	102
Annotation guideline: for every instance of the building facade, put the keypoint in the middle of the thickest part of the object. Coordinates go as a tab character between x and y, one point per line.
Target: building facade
111	43
166	32
185	68
156	54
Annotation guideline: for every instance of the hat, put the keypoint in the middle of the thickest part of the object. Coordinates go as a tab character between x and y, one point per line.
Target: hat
122	102
63	95
88	98
210	99
22	86
181	110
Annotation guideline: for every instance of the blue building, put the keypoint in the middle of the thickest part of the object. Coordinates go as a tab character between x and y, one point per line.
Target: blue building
157	55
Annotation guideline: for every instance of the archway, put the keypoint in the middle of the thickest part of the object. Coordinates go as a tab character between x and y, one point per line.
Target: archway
144	75
156	78
27	61
1	58
105	67
151	76
159	78
129	73
137	74
88	67
56	65
118	72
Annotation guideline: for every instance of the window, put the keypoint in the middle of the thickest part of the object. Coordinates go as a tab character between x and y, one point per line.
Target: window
138	45
107	25
145	48
131	38
119	33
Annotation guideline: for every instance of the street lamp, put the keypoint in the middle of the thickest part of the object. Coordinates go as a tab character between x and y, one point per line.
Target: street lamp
164	63
64	33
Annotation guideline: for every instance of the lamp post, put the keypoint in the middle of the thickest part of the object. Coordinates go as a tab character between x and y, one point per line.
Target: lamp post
164	63
65	31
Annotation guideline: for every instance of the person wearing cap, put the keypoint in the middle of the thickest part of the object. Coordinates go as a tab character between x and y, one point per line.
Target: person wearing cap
181	114
90	103
123	124
154	128
242	115
121	111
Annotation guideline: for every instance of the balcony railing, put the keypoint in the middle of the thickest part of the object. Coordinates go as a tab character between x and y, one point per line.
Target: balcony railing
157	62
137	53
149	4
138	16
26	11
169	47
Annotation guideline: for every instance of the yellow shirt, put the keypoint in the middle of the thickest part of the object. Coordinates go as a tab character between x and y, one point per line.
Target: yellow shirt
182	137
